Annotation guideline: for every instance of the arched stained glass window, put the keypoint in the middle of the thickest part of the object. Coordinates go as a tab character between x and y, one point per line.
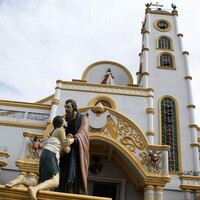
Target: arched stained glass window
166	60
169	131
164	43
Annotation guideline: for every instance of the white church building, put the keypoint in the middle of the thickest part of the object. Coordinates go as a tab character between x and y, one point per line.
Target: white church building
144	141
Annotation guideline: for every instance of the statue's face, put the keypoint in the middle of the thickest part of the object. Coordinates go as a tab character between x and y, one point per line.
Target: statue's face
64	123
69	111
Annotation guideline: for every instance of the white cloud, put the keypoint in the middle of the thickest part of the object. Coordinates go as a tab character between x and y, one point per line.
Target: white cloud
42	41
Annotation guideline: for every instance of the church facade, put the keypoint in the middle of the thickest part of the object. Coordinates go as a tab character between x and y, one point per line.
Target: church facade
144	141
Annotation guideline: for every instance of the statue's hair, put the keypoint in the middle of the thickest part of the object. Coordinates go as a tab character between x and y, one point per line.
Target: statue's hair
57	121
74	105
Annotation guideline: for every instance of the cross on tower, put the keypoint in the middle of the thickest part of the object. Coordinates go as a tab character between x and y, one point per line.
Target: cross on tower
157	5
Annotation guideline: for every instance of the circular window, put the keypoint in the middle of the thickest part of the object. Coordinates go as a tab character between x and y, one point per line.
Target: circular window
106	101
162	25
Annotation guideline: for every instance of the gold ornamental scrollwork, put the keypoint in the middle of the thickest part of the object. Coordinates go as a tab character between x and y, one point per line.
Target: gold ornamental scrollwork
111	127
130	137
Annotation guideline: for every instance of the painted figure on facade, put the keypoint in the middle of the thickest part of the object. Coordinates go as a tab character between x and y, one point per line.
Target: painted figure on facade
155	159
35	148
108	78
74	166
48	166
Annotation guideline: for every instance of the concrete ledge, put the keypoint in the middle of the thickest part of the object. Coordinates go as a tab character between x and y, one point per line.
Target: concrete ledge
21	193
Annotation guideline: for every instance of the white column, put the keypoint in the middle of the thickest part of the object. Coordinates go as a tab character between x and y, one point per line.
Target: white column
165	163
150	118
196	194
55	101
186	194
175	22
191	107
149	192
158	193
180	39
145	70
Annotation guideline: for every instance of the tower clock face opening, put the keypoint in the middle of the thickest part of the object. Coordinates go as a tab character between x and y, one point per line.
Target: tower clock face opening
162	25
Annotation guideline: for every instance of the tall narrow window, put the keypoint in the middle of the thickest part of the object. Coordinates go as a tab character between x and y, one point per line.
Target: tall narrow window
164	43
169	131
166	60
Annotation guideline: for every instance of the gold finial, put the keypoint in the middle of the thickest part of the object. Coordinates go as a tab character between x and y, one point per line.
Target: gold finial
98	108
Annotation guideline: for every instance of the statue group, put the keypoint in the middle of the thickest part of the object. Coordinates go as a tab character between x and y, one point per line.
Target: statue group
64	160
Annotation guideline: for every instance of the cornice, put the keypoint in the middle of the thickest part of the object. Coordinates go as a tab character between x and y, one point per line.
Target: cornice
22	125
105	89
25	105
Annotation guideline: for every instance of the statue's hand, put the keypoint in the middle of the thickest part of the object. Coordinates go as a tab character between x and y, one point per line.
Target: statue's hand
69	140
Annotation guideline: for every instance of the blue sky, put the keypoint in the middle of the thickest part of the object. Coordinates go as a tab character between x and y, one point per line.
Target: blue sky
42	41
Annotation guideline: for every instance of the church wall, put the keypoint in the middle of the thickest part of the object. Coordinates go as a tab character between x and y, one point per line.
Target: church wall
133	107
12	139
174	195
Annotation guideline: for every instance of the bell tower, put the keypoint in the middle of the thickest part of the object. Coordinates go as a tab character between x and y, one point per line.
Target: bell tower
164	68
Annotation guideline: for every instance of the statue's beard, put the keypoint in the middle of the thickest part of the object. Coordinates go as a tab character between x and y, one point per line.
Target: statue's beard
69	116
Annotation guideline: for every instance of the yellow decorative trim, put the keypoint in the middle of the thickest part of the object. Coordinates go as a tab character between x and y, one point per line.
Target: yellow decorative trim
145	31
161	13
150	133
188	78
149	188
55	102
78	80
191	106
104	88
159	188
159	147
193	126
23	125
25	105
189	182
33	175
4	154
185	52
147	10
195	145
144	74
19	193
187	190
48	129
42	101
165	30
84	75
150	110
28	166
180	35
167	68
145	49
175	12
3	161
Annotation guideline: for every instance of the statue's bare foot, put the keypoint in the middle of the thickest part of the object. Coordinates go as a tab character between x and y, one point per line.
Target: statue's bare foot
32	192
16	181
